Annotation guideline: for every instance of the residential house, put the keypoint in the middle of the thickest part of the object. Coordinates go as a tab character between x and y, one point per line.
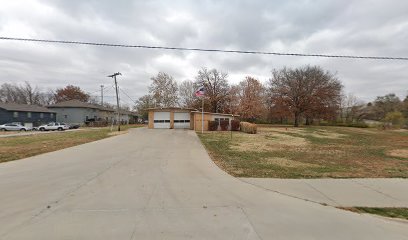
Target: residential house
28	115
78	112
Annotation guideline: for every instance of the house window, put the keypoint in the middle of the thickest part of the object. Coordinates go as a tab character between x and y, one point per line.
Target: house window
15	114
41	115
29	115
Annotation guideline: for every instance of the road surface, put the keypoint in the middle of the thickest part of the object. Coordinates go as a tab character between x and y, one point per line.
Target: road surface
159	184
351	192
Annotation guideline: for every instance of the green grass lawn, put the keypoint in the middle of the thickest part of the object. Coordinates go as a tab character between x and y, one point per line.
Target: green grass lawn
385	212
13	148
310	152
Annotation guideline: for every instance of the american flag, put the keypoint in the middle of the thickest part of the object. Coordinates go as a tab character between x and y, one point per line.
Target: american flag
200	92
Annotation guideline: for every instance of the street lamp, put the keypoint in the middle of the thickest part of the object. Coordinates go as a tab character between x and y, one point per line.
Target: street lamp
117	96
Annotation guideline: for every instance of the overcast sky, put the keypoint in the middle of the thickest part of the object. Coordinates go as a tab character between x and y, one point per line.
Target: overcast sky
371	28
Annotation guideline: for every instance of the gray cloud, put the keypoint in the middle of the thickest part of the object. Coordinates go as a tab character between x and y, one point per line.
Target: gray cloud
334	27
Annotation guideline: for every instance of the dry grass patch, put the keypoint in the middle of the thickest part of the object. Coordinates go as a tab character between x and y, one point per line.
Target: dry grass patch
319	133
402	153
283	162
312	152
265	141
117	133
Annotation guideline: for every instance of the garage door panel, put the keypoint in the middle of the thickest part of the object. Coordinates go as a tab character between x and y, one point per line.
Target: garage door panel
161	115
181	120
161	120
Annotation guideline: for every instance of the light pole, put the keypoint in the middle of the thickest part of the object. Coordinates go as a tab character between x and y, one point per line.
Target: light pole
117	96
102	95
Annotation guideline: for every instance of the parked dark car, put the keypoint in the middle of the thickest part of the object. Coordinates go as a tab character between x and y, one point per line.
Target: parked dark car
74	126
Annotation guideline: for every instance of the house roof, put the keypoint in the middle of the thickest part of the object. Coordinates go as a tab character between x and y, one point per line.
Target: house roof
222	114
23	107
129	112
170	108
103	108
74	104
79	104
193	110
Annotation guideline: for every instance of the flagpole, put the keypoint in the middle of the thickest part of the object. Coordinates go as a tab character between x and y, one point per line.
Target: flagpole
202	114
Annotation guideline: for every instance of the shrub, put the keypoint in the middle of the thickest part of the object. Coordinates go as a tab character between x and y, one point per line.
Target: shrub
395	119
224	125
212	126
234	125
359	125
340	124
248	127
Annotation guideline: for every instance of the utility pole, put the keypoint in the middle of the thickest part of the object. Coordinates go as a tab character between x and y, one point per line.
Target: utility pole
101	95
117	96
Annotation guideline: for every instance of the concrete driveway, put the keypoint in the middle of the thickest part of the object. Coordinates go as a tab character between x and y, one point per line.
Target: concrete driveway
159	184
352	192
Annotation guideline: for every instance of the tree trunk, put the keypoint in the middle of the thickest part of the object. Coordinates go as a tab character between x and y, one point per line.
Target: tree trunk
307	121
297	119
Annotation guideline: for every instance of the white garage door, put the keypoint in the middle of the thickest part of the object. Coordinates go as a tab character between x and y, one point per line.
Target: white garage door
181	120
161	120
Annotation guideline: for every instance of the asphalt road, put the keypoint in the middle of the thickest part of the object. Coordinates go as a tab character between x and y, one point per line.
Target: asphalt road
159	184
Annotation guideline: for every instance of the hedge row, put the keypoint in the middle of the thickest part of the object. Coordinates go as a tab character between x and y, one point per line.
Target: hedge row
212	126
224	125
356	125
235	125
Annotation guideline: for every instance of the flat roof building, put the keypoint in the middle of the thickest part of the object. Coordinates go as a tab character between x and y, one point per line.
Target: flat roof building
183	118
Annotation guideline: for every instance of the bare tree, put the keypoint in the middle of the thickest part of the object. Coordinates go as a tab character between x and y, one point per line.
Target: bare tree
142	104
164	90
94	100
351	109
47	97
186	92
11	93
23	94
308	91
31	94
216	88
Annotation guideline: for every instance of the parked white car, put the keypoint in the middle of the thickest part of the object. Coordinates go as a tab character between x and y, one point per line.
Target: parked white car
13	127
52	126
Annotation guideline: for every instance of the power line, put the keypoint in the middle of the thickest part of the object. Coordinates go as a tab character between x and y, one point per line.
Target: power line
98	90
127	95
205	50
